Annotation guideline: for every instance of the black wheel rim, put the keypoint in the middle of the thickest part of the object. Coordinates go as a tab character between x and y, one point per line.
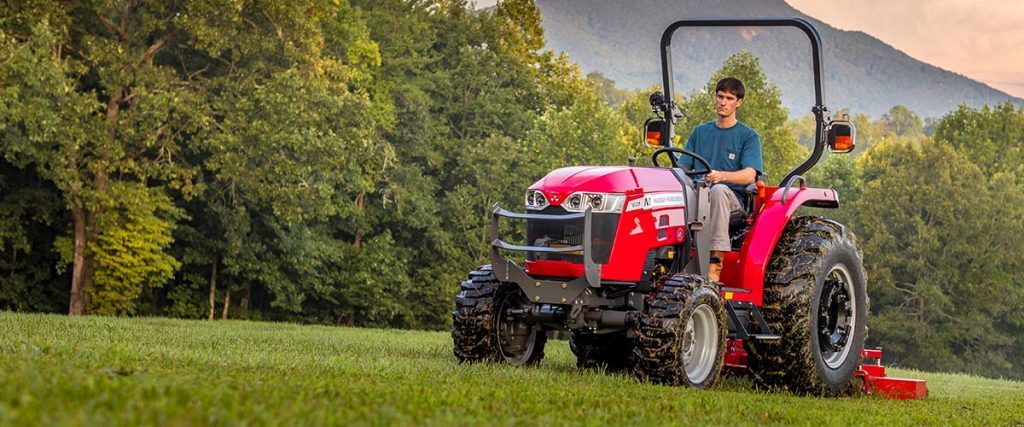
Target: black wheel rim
836	317
516	337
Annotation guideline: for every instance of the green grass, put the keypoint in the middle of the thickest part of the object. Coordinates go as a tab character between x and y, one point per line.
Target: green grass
100	371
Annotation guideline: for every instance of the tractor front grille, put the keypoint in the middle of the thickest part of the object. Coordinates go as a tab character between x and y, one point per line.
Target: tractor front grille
547	233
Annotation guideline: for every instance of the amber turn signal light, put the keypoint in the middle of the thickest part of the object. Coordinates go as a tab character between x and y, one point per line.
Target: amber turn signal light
843	143
653	138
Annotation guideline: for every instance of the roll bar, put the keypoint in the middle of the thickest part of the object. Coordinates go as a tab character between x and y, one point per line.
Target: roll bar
819	110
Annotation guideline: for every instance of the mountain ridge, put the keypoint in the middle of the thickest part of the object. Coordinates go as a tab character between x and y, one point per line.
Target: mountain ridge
861	72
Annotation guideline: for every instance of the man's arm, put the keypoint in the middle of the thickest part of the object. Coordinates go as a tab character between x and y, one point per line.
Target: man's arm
742	177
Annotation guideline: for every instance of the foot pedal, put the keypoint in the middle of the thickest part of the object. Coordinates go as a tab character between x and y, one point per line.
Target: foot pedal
738	330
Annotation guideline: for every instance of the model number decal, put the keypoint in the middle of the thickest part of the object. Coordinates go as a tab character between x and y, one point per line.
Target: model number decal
656	201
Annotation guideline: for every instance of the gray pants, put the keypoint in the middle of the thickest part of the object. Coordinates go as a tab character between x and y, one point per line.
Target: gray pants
723	204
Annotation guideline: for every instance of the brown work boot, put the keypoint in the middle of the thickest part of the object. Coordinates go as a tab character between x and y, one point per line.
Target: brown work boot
714	271
715	267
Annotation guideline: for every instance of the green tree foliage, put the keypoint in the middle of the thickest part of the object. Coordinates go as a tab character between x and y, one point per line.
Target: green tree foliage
606	89
87	109
585	133
762	110
934	230
476	101
131	254
991	136
29	218
293	154
803	129
902	121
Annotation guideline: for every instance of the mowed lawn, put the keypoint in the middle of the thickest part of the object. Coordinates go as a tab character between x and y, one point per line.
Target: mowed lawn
102	371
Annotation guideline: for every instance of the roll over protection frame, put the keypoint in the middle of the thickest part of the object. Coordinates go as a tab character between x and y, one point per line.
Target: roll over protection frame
819	109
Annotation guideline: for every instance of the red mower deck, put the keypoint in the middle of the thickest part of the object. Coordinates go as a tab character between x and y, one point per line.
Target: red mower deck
876	381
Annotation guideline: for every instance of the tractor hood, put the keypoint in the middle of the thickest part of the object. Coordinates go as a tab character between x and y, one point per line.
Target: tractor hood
561	183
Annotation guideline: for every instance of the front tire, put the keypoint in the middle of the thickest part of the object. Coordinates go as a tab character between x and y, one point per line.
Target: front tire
680	336
485	326
815	298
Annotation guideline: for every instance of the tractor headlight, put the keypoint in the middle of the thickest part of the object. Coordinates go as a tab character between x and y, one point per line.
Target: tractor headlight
598	202
574	202
536	200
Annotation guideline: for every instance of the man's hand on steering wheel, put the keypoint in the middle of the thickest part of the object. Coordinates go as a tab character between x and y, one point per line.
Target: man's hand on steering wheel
715	177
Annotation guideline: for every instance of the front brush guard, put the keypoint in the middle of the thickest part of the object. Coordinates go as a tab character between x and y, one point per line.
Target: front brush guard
576	291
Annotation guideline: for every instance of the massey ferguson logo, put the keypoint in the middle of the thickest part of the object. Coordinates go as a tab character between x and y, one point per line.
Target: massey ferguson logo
656	201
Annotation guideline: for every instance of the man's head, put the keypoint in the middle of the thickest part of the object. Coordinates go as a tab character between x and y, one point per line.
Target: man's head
728	96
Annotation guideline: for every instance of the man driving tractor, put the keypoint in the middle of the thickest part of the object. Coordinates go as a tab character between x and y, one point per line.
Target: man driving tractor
734	152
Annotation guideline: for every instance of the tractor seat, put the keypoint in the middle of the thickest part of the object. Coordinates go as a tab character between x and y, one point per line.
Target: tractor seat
737	218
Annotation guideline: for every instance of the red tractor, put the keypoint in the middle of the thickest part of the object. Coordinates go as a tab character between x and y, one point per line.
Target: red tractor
618	256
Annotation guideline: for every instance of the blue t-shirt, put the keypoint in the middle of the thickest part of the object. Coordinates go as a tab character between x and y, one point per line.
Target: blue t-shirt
730	150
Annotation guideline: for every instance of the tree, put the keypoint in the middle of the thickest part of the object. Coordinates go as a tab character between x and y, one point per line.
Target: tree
131	253
606	89
30	218
122	102
990	136
86	106
803	129
468	87
934	235
294	151
903	122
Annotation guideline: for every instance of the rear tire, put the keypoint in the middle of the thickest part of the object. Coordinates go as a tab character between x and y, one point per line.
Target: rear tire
483	329
680	336
610	352
815	299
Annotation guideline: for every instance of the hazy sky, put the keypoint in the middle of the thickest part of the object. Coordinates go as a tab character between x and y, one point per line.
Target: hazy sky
983	40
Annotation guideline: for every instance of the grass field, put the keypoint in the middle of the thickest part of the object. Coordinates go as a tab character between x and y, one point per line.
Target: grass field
101	371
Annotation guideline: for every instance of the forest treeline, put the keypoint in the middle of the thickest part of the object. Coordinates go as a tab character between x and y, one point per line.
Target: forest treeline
335	162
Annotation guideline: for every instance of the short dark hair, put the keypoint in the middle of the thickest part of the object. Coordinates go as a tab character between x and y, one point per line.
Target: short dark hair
731	85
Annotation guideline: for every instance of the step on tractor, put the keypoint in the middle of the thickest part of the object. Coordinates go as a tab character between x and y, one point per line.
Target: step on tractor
618	258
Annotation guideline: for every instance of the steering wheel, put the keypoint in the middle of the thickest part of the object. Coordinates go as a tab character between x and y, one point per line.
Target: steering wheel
675	164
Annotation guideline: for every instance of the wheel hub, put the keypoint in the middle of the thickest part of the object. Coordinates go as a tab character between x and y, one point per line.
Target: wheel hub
700	344
836	317
516	337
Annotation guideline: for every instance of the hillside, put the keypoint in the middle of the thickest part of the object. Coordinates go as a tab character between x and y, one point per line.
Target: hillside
620	40
114	371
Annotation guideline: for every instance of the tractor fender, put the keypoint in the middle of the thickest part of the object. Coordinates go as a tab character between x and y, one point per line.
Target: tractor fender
764	233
